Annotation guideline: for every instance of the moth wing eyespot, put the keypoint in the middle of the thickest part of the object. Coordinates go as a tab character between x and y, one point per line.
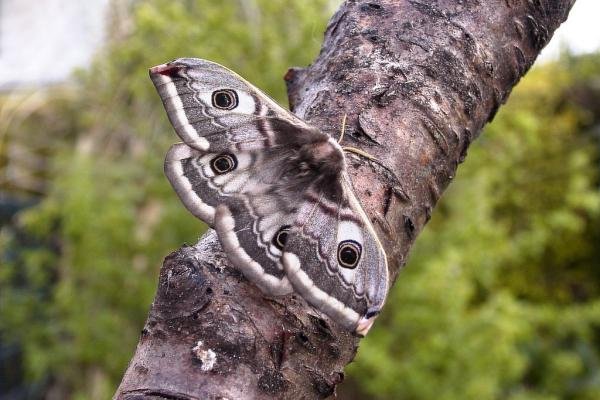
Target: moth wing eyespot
349	252
223	163
225	99
280	237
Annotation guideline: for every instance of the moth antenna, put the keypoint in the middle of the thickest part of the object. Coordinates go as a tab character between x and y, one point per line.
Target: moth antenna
343	128
354	150
371	158
361	153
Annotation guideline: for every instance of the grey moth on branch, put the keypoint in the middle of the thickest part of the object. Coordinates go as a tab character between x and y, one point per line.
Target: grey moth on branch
276	191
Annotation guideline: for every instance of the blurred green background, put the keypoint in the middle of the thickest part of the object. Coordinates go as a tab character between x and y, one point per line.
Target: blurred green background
501	296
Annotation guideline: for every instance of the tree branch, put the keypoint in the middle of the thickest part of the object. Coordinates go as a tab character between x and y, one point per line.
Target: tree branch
418	80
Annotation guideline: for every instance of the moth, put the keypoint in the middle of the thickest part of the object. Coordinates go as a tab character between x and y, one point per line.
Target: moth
276	191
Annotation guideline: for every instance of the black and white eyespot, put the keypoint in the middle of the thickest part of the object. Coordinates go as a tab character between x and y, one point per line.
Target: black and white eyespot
225	99
280	238
223	163
349	253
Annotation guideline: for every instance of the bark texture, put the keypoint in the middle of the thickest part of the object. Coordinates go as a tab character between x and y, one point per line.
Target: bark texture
418	79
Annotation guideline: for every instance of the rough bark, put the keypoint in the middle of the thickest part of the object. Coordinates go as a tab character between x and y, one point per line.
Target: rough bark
418	80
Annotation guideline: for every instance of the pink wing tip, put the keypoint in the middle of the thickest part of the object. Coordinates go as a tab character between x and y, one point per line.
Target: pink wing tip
365	324
167	69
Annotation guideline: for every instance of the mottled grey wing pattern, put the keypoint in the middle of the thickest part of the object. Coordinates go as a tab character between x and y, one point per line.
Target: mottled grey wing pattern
191	89
274	189
241	205
335	261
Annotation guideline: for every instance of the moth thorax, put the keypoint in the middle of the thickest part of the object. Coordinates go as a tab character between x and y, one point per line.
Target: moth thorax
326	155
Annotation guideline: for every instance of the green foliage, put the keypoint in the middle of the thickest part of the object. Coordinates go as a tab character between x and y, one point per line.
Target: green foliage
80	271
501	297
